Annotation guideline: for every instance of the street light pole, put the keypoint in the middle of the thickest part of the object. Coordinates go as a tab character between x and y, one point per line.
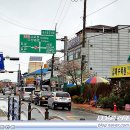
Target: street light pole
83	42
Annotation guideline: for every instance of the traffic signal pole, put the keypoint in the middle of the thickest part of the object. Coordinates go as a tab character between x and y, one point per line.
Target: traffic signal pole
19	76
52	65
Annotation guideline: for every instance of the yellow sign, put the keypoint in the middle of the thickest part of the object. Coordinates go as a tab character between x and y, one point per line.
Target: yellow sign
120	71
30	80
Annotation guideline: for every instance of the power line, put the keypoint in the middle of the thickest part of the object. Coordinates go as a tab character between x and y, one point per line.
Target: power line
99	10
56	13
62	10
15	21
65	15
16	24
102	8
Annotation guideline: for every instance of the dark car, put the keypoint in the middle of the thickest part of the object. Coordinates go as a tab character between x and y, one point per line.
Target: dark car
42	98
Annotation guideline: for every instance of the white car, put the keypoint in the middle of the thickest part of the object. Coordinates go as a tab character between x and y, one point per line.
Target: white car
60	99
25	92
7	91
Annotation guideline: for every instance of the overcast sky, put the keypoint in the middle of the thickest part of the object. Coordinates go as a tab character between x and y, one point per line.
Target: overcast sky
32	16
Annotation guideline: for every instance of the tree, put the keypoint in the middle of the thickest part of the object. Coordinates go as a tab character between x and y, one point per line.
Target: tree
70	69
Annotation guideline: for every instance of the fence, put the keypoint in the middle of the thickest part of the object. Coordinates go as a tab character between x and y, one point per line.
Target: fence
14	109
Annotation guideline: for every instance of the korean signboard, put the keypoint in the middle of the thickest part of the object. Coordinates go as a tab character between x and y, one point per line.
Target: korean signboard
120	71
37	44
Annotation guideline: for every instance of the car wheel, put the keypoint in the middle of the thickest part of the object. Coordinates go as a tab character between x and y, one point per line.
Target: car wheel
35	103
40	104
69	108
53	106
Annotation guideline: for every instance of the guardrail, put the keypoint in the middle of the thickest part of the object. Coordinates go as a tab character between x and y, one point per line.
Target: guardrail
13	105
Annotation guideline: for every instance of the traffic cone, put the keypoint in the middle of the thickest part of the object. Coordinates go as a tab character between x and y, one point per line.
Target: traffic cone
115	108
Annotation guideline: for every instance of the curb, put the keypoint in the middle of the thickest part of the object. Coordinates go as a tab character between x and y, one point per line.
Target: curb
91	111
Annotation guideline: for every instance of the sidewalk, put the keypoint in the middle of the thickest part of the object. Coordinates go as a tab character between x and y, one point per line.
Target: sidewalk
100	111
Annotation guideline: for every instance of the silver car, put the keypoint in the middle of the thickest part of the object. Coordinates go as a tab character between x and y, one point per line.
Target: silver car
25	92
7	91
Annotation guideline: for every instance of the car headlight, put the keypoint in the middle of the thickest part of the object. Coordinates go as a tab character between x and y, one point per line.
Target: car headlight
43	98
69	99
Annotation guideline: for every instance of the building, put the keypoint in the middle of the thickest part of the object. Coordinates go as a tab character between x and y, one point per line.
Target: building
33	66
105	46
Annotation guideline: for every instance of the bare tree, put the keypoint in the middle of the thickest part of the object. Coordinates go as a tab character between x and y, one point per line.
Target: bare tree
70	69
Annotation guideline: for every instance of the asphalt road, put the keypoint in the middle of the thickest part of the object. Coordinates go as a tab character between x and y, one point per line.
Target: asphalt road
74	114
38	112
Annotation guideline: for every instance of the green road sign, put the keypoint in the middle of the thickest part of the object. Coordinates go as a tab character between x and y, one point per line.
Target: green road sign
38	44
48	33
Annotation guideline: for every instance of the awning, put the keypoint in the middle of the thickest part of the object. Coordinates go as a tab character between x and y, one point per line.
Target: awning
38	72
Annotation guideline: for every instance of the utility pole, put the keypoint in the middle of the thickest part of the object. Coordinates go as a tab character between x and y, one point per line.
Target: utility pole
83	58
53	57
41	78
19	76
52	65
65	46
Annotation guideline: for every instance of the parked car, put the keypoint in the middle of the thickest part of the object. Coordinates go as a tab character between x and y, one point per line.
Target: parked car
42	98
7	91
60	99
25	92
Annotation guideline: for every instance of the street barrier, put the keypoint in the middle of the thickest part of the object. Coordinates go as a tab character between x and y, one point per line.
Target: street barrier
14	109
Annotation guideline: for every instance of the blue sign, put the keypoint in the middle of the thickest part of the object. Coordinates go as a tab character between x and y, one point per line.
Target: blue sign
1	62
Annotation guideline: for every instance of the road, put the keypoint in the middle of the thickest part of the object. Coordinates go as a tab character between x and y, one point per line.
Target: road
74	114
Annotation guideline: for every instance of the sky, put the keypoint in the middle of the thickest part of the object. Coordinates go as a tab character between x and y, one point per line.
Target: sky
31	16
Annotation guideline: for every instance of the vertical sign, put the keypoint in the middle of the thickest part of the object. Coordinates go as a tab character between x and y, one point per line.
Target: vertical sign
1	62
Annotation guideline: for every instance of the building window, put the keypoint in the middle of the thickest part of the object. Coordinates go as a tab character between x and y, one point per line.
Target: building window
78	53
70	56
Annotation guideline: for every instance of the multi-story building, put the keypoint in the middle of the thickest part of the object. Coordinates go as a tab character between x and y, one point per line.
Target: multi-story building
105	46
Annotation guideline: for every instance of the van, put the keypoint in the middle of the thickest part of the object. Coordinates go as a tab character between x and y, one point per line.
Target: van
25	92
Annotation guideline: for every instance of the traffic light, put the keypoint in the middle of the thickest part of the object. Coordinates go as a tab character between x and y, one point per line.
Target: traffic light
14	58
10	71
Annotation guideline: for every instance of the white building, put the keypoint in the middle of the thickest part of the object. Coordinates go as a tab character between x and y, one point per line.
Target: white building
105	46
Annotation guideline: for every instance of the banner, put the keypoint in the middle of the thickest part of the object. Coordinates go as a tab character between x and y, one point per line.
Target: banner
120	71
1	62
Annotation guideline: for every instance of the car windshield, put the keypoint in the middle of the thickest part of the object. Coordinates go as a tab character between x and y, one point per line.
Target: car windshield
29	89
45	93
7	89
62	95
